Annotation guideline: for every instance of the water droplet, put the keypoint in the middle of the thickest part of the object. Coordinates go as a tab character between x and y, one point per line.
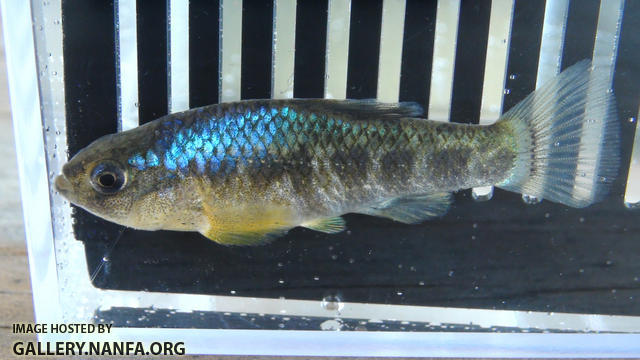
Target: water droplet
332	303
530	199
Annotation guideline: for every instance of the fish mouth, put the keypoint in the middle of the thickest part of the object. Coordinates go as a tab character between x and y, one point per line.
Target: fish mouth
62	185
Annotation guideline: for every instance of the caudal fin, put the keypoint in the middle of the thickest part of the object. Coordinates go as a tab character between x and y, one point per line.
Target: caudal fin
567	137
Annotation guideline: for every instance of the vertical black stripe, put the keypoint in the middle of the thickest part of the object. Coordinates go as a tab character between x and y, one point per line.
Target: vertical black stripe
89	70
364	48
626	83
417	51
204	34
257	32
524	50
471	52
90	92
581	31
152	59
311	44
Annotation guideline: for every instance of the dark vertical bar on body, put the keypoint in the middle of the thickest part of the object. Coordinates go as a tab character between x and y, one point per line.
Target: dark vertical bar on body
364	49
311	43
417	51
257	32
473	31
581	31
524	52
152	59
204	50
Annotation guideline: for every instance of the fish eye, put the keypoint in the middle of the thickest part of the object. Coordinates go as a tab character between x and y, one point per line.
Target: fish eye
108	178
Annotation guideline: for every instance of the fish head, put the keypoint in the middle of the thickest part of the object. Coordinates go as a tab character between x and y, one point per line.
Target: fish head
99	179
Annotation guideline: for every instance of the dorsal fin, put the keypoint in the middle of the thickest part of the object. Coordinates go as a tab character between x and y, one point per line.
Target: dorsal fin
412	209
366	108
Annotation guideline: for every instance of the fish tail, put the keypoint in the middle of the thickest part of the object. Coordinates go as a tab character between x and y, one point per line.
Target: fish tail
566	137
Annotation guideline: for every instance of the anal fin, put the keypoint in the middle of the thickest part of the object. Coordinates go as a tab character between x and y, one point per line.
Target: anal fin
247	225
247	238
326	225
412	209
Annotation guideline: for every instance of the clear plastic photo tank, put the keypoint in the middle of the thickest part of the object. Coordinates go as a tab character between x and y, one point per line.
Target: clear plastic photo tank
500	274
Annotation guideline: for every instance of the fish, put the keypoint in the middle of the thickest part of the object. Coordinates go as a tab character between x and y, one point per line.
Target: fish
246	172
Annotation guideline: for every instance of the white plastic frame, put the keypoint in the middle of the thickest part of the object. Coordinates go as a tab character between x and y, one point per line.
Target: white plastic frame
63	293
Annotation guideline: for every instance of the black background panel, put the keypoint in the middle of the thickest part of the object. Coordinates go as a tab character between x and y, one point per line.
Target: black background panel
204	49
364	49
417	51
499	254
471	50
257	29
524	51
152	60
311	44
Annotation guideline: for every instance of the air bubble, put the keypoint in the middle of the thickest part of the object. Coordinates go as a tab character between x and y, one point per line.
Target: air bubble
632	120
507	91
513	76
332	303
581	219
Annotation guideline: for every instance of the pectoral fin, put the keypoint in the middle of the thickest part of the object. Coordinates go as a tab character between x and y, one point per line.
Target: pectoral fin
412	209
